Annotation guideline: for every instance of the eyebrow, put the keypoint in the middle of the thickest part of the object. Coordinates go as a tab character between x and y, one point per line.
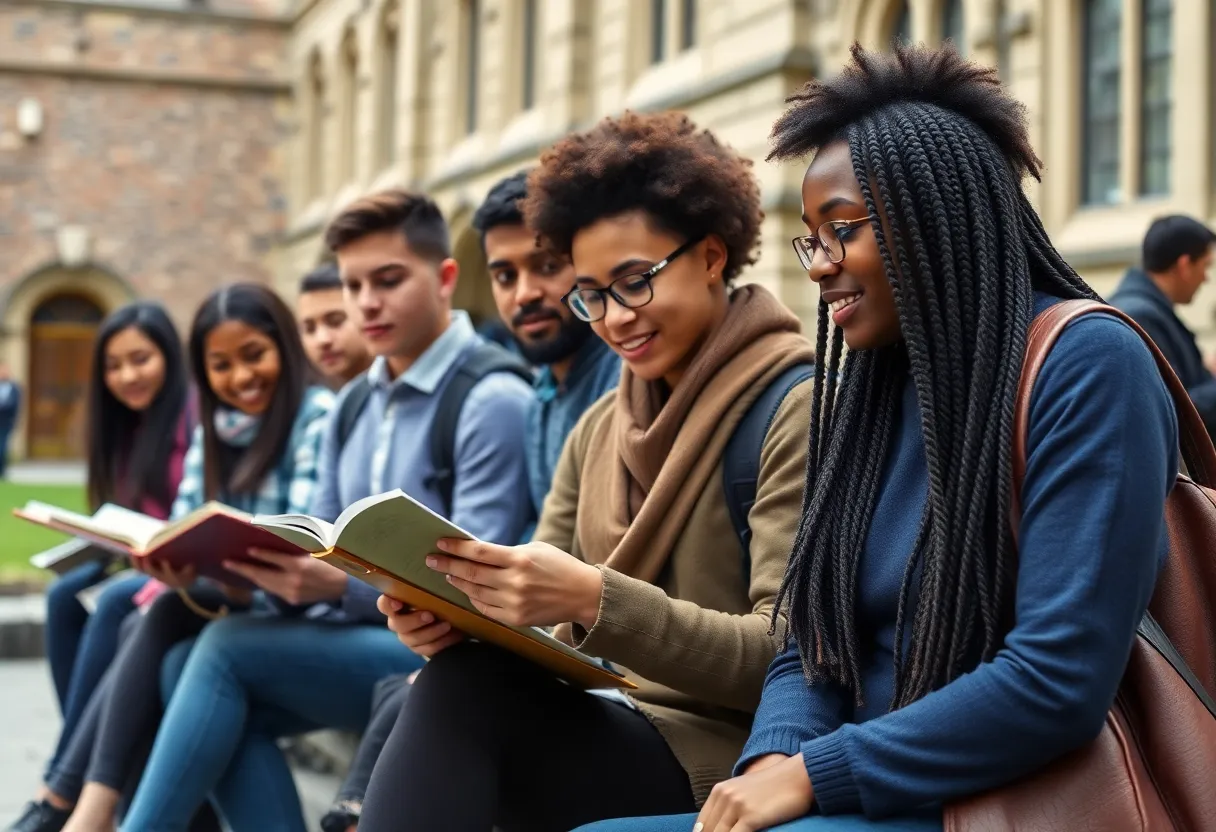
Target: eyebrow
629	266
831	204
388	267
499	264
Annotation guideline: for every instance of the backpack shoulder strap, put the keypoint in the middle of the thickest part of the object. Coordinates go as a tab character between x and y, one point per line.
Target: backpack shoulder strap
352	406
483	359
741	460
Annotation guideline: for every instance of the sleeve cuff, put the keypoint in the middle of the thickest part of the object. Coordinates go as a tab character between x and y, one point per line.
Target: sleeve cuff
774	741
620	595
827	764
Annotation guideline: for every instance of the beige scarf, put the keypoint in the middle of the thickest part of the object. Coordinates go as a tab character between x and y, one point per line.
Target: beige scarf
650	463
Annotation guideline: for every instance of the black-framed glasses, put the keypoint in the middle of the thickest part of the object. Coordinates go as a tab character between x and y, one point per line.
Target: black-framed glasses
632	291
830	237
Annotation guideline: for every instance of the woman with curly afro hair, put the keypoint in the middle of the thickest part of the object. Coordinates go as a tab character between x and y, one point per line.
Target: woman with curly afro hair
635	559
930	661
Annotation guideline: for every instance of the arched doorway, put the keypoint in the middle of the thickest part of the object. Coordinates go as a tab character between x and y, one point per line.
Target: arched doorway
61	332
473	292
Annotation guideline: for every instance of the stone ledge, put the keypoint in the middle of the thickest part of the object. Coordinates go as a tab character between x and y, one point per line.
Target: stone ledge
22	627
56	69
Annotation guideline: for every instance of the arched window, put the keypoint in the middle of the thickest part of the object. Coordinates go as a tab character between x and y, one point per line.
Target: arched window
952	24
688	24
528	82
349	80
314	155
1100	108
1156	106
387	71
472	64
658	31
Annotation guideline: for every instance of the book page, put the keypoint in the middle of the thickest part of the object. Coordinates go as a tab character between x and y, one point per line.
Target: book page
69	552
311	536
138	528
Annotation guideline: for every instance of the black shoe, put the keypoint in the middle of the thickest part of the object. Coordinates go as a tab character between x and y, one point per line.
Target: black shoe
40	816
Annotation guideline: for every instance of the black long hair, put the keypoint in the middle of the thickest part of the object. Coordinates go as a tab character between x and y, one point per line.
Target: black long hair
240	471
128	450
939	151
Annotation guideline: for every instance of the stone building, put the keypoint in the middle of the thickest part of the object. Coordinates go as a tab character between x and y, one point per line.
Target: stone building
217	136
139	156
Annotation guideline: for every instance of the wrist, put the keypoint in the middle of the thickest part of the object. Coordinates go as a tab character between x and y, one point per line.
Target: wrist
589	610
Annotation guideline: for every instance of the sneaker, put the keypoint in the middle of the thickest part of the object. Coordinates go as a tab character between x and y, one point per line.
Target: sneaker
40	816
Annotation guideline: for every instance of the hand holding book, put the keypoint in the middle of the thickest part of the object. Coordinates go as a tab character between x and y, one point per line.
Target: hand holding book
297	581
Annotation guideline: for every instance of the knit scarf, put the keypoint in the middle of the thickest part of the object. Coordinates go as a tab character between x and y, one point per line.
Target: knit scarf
236	428
647	467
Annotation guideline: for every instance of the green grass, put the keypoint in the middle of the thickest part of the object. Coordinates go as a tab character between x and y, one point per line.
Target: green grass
20	539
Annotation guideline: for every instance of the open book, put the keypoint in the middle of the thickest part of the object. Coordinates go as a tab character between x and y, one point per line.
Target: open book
66	556
202	539
384	539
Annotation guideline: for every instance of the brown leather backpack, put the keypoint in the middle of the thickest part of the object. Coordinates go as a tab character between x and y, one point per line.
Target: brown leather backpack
1153	767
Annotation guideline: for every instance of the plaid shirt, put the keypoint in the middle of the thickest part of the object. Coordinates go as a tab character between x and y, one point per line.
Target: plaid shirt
288	488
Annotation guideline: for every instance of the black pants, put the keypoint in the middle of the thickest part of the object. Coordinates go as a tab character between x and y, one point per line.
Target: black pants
387	701
125	711
487	739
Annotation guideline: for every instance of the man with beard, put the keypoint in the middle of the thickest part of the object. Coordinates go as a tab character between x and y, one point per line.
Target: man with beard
575	369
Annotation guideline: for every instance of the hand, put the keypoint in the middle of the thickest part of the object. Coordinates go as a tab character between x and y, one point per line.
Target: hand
759	799
166	573
294	578
526	586
420	631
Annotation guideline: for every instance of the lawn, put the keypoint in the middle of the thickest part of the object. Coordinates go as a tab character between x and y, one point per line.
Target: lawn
19	539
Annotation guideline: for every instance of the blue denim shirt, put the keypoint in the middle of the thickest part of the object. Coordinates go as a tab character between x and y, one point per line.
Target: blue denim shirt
596	369
389	447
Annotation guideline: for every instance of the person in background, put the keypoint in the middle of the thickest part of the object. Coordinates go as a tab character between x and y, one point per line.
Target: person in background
331	337
575	370
140	419
255	450
250	680
1176	257
10	409
635	559
936	651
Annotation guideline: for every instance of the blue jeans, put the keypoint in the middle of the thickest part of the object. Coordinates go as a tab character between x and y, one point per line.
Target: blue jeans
810	823
247	680
81	646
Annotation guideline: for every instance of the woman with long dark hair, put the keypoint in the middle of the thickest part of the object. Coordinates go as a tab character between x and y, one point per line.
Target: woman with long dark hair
255	449
138	430
930	658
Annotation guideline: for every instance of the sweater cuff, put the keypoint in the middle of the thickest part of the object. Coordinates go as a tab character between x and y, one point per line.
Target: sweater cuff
620	597
772	741
827	764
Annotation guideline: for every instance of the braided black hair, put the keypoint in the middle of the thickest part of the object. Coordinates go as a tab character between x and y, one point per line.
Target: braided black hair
939	151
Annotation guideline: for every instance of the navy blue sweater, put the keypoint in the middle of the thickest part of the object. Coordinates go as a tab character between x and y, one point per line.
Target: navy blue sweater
1101	460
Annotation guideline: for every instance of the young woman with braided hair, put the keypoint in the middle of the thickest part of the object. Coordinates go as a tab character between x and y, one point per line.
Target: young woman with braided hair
930	658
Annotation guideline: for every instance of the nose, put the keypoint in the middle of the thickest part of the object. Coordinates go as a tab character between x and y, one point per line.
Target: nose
324	336
821	267
241	375
527	289
127	374
368	301
618	314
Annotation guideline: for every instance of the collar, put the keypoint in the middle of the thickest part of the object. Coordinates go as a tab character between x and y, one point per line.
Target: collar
547	386
1139	281
425	373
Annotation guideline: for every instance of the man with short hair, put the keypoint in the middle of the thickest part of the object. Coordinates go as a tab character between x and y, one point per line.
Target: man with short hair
330	335
319	669
1177	253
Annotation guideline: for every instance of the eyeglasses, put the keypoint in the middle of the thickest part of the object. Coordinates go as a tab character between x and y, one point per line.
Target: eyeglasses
830	237
631	291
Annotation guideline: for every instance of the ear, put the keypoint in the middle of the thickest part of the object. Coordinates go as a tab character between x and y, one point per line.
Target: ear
449	273
715	257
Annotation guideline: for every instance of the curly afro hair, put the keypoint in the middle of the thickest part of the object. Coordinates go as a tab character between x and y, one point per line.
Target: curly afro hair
685	180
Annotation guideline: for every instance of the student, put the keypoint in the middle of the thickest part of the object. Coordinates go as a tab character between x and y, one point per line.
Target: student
255	449
250	680
331	337
930	659
1177	256
576	369
10	409
138	429
636	557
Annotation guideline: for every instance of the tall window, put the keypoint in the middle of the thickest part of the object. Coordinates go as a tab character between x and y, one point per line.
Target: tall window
1100	149
658	31
529	79
350	108
1155	105
387	72
472	64
902	31
688	24
952	24
314	155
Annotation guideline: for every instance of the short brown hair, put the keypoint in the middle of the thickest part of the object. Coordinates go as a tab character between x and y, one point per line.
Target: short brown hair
415	216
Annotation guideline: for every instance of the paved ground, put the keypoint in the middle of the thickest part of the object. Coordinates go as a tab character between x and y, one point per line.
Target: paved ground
29	724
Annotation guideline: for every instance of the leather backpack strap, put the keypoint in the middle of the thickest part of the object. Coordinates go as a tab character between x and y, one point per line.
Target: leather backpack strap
1197	452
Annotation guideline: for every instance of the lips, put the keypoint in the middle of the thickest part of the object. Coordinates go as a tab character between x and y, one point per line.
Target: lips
837	305
376	330
636	342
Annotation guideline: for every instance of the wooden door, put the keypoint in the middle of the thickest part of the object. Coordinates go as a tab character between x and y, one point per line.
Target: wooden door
61	346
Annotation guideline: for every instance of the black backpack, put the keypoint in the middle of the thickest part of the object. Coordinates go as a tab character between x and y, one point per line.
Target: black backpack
741	459
482	360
